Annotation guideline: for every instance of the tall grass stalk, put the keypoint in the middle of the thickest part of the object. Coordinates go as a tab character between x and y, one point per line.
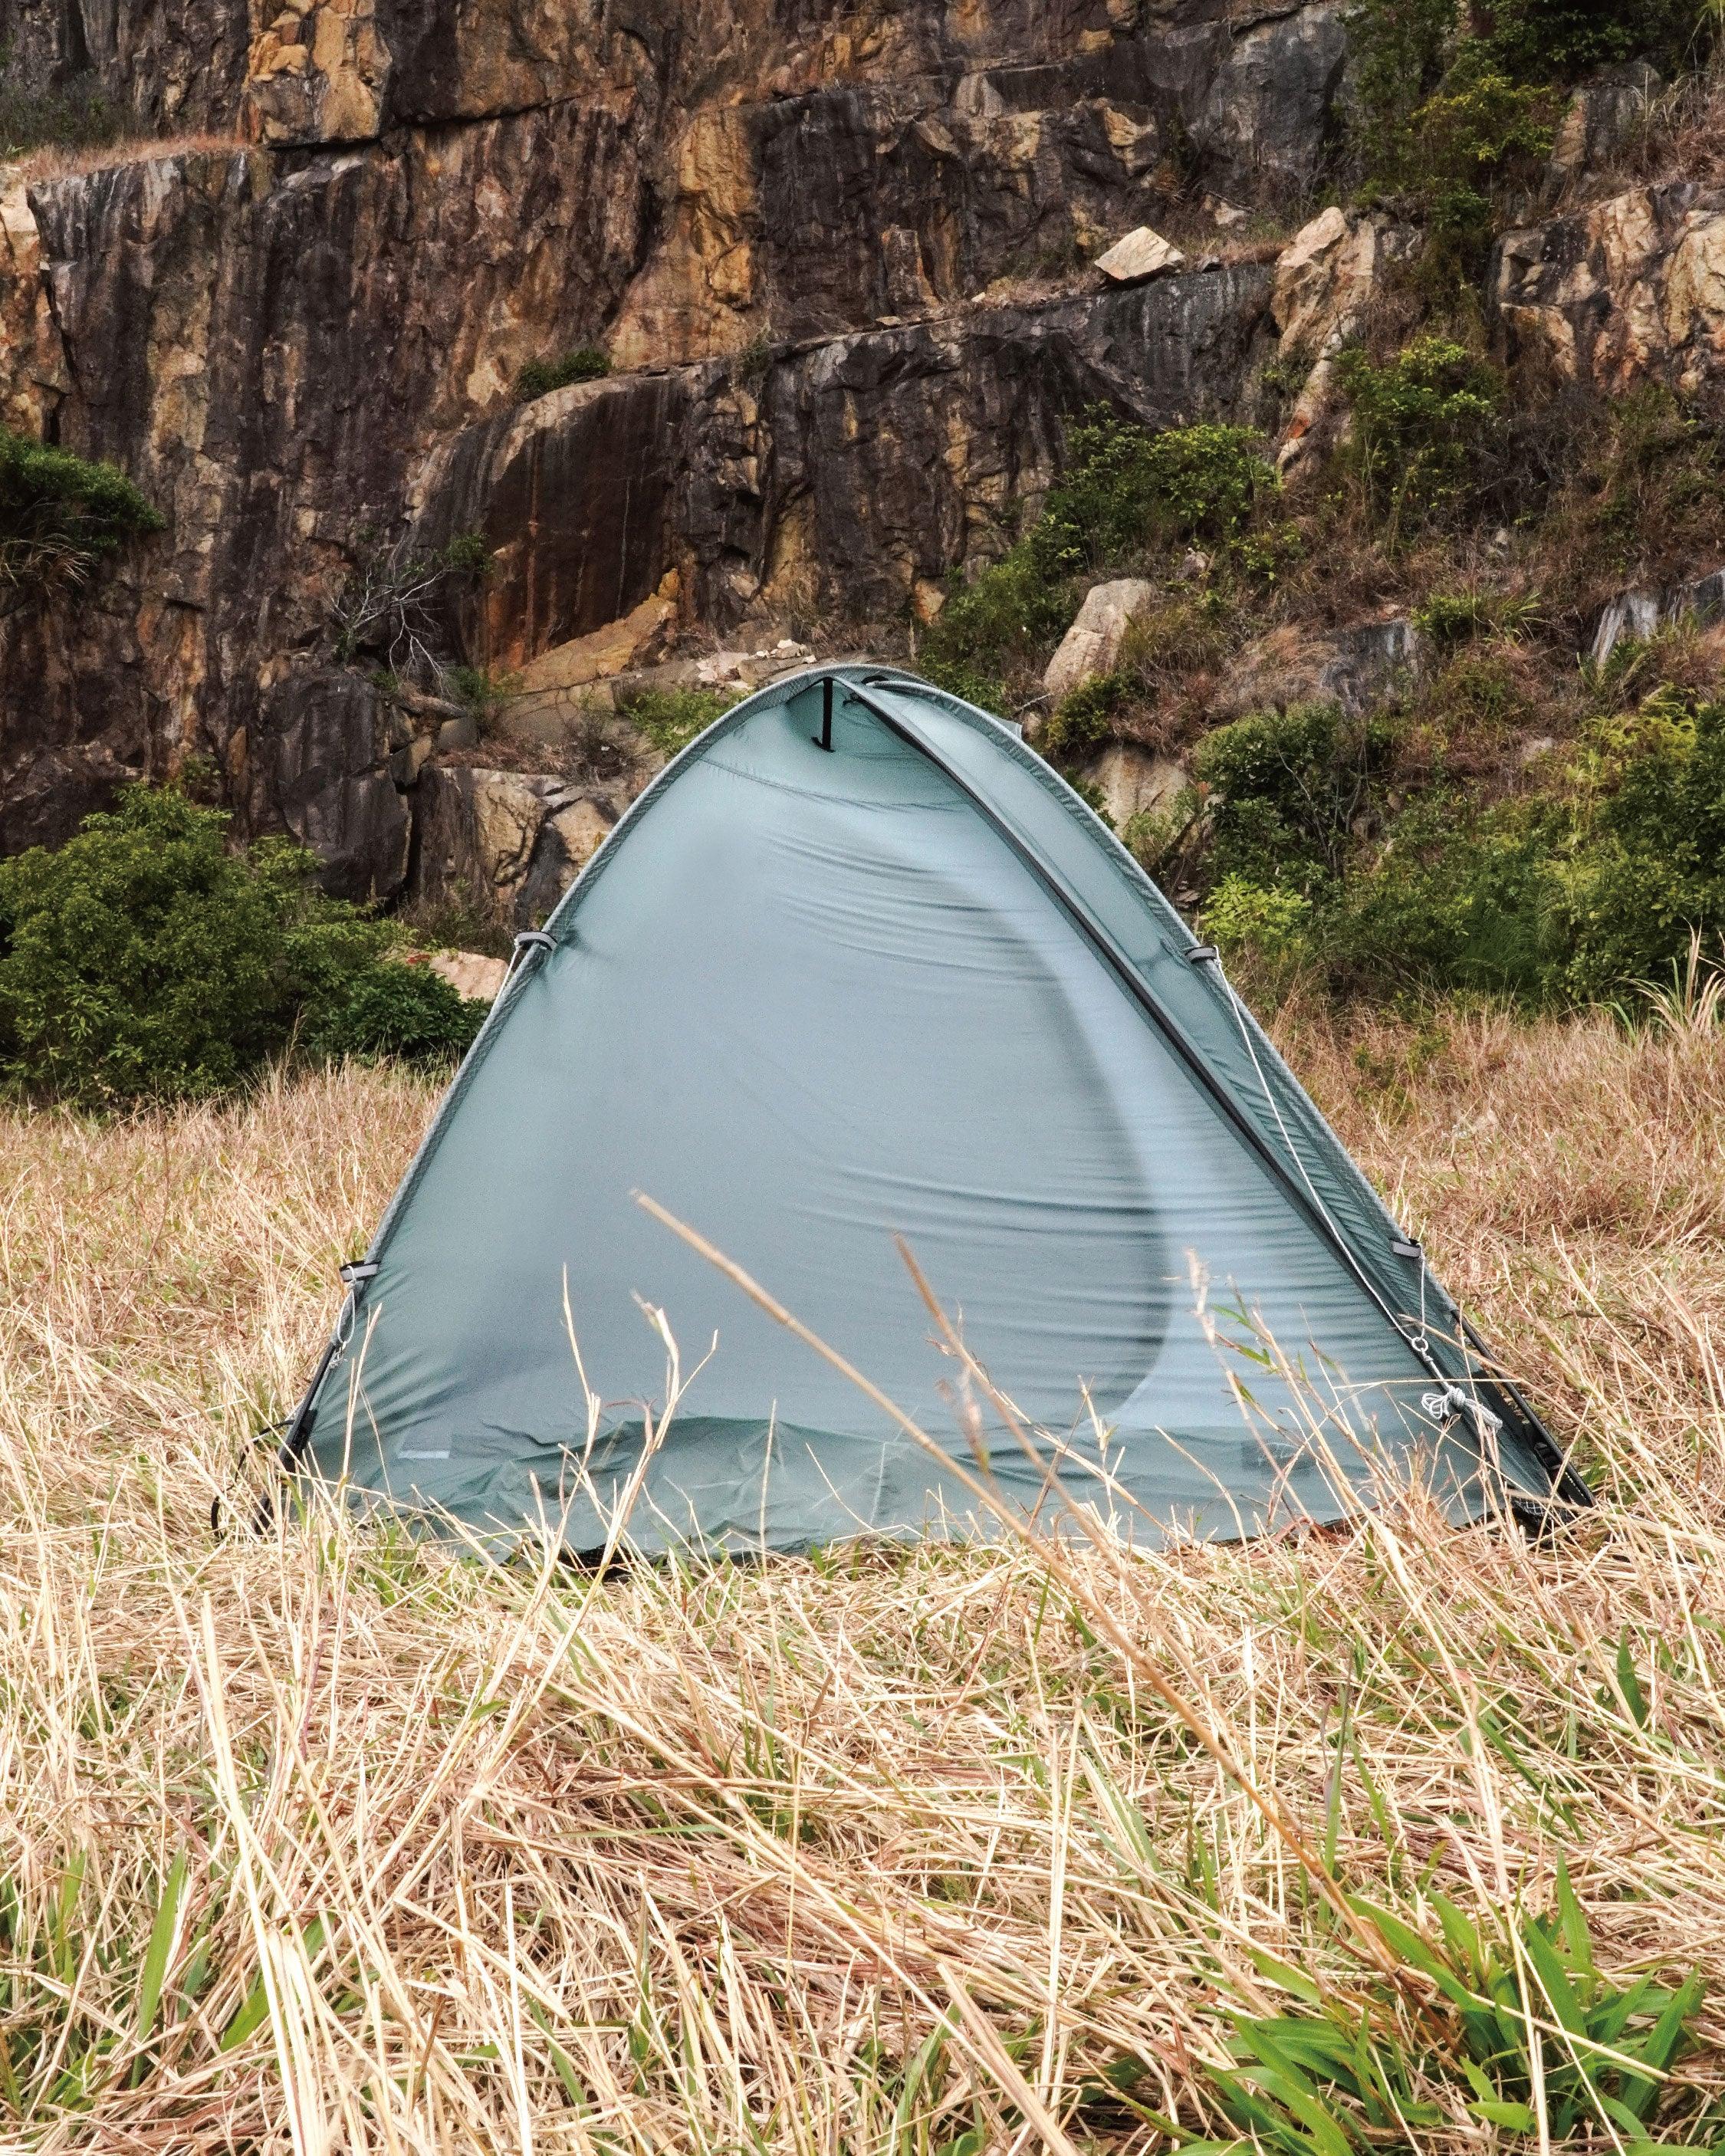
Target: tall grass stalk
1384	1836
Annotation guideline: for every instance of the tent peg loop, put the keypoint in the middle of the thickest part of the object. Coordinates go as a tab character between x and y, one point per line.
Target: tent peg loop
359	1269
1204	954
1443	1407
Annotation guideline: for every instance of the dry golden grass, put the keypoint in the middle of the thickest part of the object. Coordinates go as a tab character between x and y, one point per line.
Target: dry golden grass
323	1842
57	160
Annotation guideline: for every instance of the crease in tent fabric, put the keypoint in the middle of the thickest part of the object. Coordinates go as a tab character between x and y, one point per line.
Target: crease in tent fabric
1122	967
1565	1482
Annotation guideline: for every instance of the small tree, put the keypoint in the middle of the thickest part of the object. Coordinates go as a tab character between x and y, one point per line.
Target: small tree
1424	425
148	959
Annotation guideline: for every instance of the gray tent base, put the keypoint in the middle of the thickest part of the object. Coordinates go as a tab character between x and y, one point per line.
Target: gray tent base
857	967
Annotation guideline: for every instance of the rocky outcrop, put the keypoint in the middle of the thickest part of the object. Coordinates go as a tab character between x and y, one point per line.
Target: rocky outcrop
785	220
1604	117
166	64
324	776
841	476
1093	643
1639	614
1632	289
1355	667
1131	781
504	843
1325	277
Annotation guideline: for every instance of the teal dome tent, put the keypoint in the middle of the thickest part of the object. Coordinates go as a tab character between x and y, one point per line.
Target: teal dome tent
856	967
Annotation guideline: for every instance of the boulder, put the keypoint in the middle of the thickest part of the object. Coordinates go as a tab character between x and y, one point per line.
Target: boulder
1604	118
470	973
508	843
1141	253
1092	644
324	777
1132	781
1356	668
1262	124
1639	613
1324	279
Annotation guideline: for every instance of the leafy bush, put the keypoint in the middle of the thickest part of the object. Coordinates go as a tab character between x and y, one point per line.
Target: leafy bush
1127	488
671	718
1424	424
1242	916
1080	721
1400	49
1470	134
1556	900
1540	40
396	1010
60	514
1455	899
1652	869
540	377
959	677
149	959
1127	492
1285	789
1007	613
483	693
1453	617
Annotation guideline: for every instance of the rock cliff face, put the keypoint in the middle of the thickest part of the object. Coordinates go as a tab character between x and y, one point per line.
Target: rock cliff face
782	221
834	253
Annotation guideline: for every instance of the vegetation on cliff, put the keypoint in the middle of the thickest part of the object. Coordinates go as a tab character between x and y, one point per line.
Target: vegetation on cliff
61	514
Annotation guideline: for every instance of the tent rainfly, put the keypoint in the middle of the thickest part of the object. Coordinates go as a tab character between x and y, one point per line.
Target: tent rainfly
857	967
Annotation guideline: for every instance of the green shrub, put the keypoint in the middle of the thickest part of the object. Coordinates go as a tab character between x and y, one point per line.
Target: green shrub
1477	698
1006	614
404	1011
540	377
1455	899
1080	723
1540	39
485	695
1127	492
1241	915
1424	424
1454	617
1285	790
1126	488
1399	50
150	959
671	718
61	514
959	677
1557	900
1654	869
1468	137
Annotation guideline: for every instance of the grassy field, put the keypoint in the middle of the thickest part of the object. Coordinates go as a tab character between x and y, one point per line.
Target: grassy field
1391	1837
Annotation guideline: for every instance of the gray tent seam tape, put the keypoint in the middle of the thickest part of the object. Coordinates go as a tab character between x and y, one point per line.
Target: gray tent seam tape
533	945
